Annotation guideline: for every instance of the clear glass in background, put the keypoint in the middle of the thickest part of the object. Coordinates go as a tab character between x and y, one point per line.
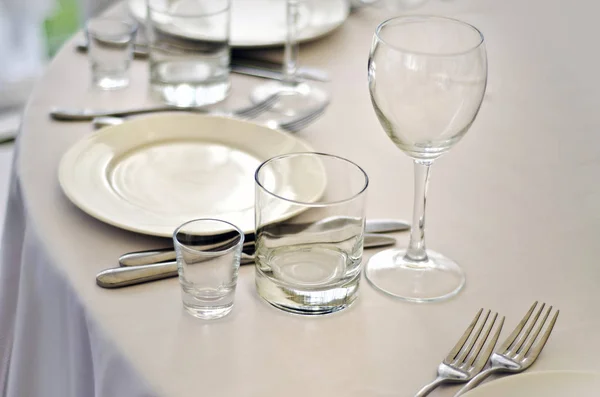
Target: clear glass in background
296	96
427	79
110	51
310	262
189	50
208	260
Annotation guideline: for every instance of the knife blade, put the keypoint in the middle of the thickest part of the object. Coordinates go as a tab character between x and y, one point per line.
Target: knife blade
168	254
386	226
274	74
131	275
241	65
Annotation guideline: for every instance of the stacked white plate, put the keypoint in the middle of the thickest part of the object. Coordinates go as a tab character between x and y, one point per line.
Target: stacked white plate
262	23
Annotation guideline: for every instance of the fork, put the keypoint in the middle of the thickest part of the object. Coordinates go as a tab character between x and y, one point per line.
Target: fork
469	355
297	123
520	349
293	125
85	114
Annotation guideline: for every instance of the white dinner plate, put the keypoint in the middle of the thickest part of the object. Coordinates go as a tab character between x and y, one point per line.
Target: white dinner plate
151	174
262	23
542	384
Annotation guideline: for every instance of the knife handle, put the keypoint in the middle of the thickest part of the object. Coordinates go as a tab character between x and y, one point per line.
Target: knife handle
131	275
124	276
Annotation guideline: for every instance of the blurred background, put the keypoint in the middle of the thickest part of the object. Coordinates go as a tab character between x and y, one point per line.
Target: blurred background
31	32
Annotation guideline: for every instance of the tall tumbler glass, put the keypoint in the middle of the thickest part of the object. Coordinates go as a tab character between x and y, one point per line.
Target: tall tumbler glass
189	50
310	216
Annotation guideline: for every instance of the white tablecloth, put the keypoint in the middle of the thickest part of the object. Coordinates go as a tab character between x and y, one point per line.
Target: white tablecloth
516	203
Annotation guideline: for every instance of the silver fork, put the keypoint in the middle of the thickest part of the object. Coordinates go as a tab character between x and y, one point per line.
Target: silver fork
469	355
520	349
246	112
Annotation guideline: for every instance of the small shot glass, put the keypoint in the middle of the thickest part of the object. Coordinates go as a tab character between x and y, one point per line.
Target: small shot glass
110	51
208	260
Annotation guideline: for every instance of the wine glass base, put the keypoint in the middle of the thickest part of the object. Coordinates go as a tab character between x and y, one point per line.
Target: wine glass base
435	279
294	99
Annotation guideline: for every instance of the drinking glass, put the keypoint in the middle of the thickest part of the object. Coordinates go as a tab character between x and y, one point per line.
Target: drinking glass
189	50
427	79
310	215
208	259
295	97
110	51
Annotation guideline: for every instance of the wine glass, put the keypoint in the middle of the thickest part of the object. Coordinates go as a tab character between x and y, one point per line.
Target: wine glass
295	97
427	79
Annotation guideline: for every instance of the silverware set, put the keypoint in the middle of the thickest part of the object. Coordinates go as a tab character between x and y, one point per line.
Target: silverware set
144	266
239	64
101	118
466	361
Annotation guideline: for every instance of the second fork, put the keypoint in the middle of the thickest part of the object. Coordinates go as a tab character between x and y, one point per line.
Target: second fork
522	347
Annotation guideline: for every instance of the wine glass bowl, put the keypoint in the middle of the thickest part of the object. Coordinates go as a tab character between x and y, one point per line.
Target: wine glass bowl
427	79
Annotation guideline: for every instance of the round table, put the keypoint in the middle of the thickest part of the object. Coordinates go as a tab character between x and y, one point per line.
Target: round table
516	203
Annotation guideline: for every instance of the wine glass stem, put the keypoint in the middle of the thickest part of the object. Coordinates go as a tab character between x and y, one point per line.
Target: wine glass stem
416	248
290	62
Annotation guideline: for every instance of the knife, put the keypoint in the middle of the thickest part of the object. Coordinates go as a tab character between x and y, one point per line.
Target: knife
386	225
131	275
275	74
168	254
241	65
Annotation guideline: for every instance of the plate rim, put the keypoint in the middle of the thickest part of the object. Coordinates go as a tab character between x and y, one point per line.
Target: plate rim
533	374
271	44
69	155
